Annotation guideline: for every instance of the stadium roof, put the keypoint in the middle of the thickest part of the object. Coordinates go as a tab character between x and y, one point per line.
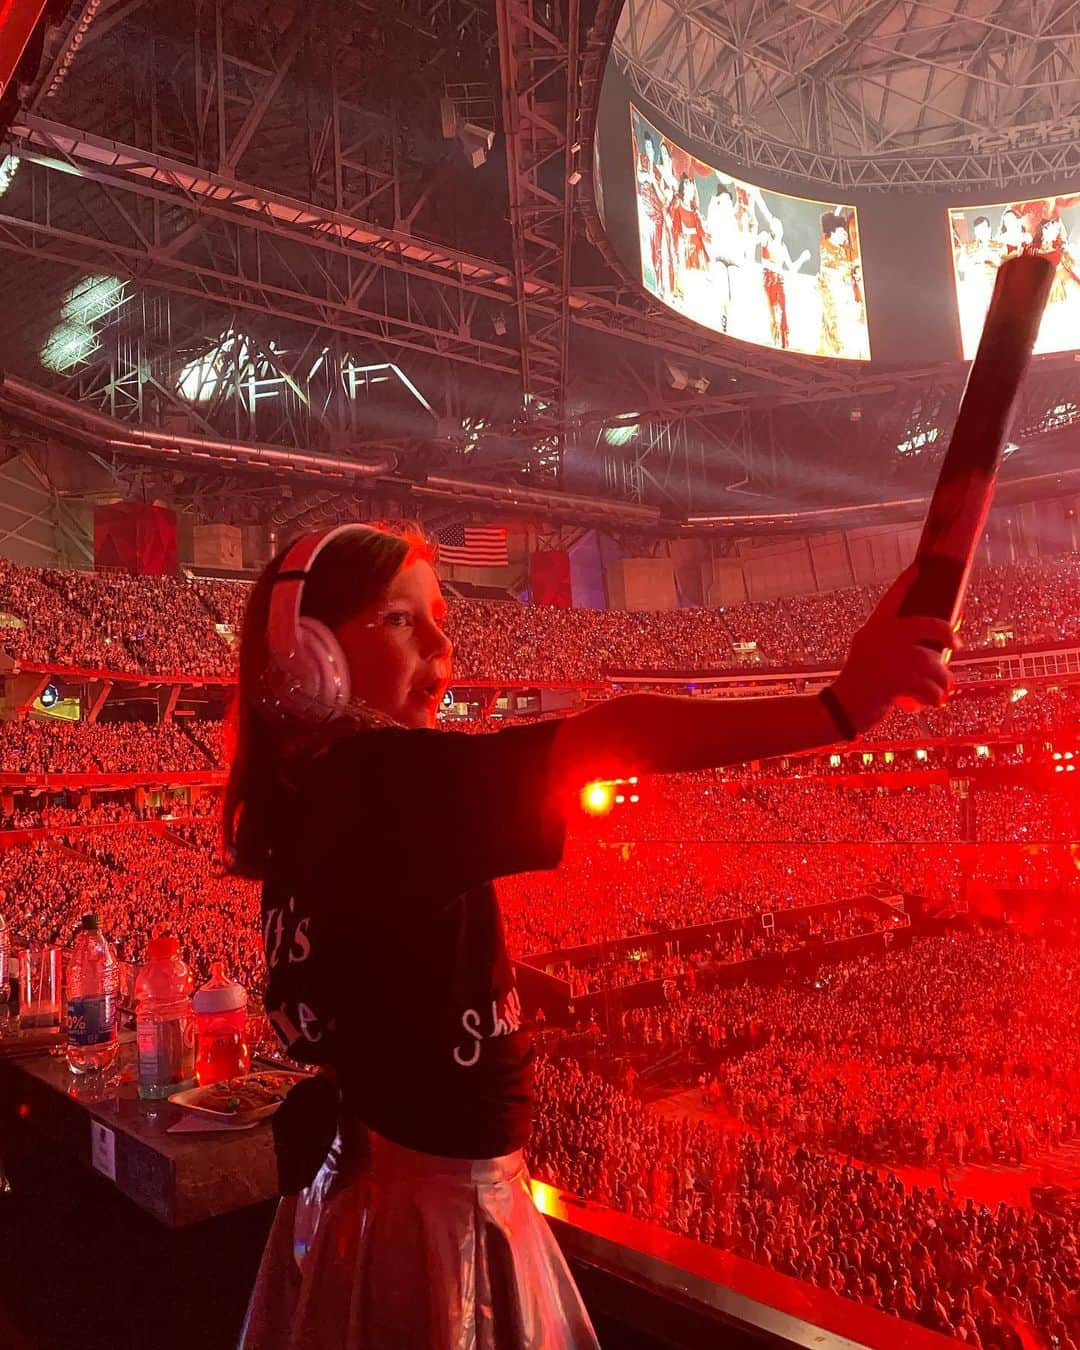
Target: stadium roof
868	93
360	234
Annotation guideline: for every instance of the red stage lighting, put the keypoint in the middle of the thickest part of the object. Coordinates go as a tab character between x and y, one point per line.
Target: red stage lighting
596	798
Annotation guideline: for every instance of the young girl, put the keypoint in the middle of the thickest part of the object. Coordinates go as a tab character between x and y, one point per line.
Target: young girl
377	838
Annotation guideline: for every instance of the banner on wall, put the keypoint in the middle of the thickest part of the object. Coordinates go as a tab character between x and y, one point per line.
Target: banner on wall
549	579
137	538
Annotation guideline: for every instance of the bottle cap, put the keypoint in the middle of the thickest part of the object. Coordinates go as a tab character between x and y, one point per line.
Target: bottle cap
163	948
219	993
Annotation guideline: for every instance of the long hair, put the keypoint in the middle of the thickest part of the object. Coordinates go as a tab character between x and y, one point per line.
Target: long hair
348	576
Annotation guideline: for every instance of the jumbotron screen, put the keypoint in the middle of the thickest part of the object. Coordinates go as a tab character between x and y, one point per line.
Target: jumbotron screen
760	266
984	236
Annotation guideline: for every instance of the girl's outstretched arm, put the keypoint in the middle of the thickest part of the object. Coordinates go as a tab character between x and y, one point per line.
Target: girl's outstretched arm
889	660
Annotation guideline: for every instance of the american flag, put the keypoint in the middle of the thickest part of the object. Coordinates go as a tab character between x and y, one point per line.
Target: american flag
473	545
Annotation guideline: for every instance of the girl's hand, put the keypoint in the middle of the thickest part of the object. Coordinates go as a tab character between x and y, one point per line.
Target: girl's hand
890	663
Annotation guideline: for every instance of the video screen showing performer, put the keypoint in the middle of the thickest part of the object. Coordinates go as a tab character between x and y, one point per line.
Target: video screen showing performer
760	266
984	236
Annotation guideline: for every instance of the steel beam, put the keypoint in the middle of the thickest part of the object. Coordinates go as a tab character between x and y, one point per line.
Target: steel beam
539	59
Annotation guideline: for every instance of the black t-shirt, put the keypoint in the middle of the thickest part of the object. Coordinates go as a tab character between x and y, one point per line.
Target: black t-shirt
382	932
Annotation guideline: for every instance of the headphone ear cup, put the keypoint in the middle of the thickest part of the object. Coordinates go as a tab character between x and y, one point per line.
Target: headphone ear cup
311	683
321	667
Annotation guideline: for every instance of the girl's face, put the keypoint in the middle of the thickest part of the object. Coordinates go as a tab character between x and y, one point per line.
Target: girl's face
398	655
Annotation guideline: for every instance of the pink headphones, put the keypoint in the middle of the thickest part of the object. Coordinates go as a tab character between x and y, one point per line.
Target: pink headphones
306	676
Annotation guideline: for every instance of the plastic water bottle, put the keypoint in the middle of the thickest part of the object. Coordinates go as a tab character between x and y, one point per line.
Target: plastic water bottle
5	960
221	1022
164	1021
91	1000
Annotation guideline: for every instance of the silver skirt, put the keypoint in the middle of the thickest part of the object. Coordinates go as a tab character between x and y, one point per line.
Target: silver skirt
415	1252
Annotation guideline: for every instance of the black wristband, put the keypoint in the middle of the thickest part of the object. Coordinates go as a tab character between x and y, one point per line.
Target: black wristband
838	713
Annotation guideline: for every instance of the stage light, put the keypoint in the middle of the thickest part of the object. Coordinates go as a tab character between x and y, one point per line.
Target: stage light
619	799
93	298
229	353
68	345
622	434
1057	754
632	780
596	798
634	797
8	166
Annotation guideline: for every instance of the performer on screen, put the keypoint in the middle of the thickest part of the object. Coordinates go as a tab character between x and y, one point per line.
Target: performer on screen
1013	234
981	256
977	262
775	261
843	316
687	235
407	1222
1052	241
727	247
653	206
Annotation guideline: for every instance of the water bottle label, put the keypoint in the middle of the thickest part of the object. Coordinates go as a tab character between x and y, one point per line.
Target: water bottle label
166	1051
91	1020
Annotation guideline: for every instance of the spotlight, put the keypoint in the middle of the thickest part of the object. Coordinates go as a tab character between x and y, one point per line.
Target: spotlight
596	798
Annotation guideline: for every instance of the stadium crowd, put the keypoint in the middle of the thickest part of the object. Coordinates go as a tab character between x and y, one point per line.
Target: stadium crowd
993	1277
141	881
686	964
945	1051
958	1048
56	746
187	625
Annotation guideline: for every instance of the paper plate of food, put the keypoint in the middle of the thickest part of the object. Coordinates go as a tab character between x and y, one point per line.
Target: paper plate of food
245	1100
